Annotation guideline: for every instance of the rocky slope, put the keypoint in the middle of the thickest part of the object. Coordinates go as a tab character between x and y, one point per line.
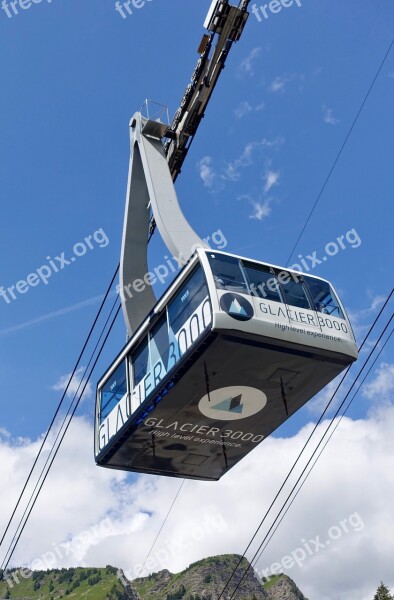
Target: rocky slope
205	580
282	587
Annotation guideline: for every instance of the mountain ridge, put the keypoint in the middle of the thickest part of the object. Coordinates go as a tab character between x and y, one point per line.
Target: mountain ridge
201	580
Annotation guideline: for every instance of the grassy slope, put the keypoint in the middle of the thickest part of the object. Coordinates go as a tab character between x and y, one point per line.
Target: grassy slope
97	591
271	581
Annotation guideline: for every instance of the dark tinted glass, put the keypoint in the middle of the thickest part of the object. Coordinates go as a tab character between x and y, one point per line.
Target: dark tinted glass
159	343
113	391
262	282
227	273
294	290
323	297
187	300
140	360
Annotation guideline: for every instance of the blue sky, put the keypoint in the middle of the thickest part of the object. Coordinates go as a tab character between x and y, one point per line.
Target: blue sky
73	74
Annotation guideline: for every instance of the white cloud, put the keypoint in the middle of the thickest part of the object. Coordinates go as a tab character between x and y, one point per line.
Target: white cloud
110	519
245	160
206	171
4	433
232	171
328	116
320	401
262	205
261	210
361	319
243	109
279	83
215	179
271	178
246	65
377	302
75	386
382	387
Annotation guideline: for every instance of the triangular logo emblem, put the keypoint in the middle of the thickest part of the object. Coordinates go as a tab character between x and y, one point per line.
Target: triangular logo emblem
236	308
230	405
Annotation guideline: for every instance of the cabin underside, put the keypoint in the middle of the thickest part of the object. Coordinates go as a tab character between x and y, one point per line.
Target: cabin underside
228	396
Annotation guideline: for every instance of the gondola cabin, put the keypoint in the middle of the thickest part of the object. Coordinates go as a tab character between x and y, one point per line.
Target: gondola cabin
232	349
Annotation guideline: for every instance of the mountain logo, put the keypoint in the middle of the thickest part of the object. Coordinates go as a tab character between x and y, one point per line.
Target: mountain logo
236	306
232	403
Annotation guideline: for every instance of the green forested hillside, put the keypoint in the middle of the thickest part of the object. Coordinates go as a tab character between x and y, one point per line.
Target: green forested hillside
95	584
203	580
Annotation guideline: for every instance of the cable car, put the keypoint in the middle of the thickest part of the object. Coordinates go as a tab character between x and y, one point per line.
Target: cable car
231	350
235	346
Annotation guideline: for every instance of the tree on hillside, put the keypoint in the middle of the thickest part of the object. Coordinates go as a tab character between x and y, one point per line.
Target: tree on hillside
116	594
383	593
